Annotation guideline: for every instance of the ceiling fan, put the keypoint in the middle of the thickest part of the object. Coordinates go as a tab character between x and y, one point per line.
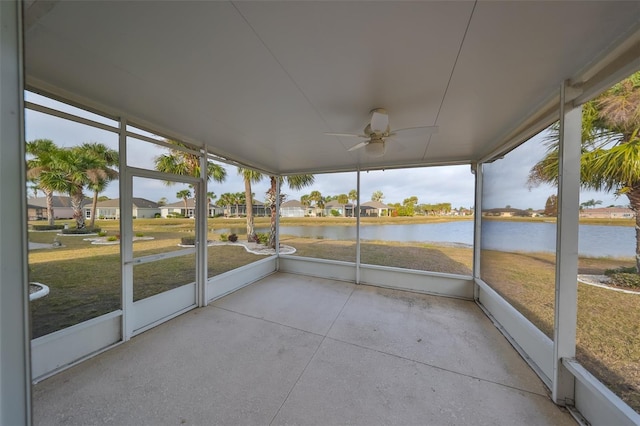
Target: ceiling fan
378	131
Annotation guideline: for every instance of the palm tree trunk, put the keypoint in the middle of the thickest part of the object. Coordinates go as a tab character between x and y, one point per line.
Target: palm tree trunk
94	209
272	233
50	214
249	208
76	205
634	202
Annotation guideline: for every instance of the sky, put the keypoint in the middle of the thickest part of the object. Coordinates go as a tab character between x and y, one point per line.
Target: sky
505	179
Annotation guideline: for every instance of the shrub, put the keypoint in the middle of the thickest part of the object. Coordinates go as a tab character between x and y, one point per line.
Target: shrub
188	241
139	234
623	279
233	238
157	215
224	237
263	238
112	238
102	234
47	227
335	213
75	231
622	269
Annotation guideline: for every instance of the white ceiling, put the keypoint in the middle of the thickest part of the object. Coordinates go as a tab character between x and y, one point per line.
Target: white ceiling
261	82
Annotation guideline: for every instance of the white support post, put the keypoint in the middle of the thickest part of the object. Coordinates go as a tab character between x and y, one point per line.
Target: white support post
566	294
358	228
476	168
202	231
15	360
277	222
126	239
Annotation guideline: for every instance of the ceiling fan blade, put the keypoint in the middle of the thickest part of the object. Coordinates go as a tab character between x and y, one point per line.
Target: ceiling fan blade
360	145
379	121
347	135
419	129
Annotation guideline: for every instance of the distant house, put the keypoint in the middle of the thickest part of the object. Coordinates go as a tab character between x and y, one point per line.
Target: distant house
507	212
375	208
110	209
259	209
37	207
608	213
292	208
178	208
342	209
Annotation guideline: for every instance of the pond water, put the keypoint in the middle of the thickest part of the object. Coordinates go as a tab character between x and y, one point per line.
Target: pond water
594	240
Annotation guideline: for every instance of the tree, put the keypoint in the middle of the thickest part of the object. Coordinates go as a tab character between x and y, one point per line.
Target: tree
71	170
305	200
226	200
182	163
353	196
184	195
377	196
162	201
408	206
610	149
343	199
551	206
41	169
590	203
107	159
295	182
249	176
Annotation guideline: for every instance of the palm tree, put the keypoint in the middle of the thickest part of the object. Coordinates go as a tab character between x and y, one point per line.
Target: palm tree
353	196
226	200
181	163
41	169
107	158
79	167
610	147
238	198
377	196
317	199
249	176
184	196
295	182
344	200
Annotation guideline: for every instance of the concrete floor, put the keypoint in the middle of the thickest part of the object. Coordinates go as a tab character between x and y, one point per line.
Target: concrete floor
292	349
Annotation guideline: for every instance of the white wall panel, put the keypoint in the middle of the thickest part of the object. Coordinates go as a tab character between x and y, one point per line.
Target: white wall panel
62	348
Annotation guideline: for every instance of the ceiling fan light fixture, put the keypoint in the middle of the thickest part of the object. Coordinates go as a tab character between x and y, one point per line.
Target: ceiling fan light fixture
375	149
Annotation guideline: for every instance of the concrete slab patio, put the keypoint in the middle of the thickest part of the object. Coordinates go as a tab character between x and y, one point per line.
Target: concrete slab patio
293	349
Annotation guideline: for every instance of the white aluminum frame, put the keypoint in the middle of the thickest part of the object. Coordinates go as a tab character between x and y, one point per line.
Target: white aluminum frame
15	369
566	299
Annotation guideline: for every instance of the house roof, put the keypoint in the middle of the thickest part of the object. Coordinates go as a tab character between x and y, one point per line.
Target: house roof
375	204
191	203
59	201
140	203
292	203
261	83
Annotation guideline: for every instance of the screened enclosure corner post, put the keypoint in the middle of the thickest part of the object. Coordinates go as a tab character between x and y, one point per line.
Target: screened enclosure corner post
15	370
126	224
566	289
277	236
476	169
358	228
202	231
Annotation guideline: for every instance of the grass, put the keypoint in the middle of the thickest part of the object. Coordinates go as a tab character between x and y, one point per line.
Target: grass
85	283
608	324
